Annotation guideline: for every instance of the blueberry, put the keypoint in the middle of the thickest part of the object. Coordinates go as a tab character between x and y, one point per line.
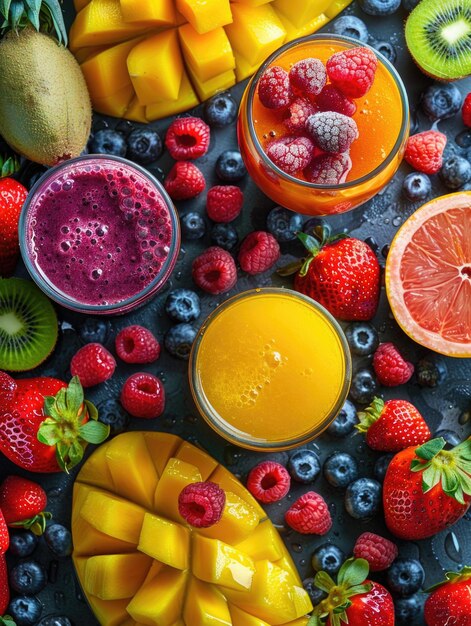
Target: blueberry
179	339
25	610
364	386
316	594
441	100
311	224
345	421
363	498
304	466
283	224
362	338
351	26
183	305
23	543
55	620
455	172
340	469
94	331
409	611
410	4
381	466
449	436
28	577
405	577
431	370
463	139
225	236
416	186
108	141
144	145
58	539
327	558
230	166
220	110
112	413
386	49
379	7
192	225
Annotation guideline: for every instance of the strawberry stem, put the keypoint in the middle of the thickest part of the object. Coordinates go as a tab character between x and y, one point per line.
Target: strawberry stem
370	415
7	620
453	577
36	524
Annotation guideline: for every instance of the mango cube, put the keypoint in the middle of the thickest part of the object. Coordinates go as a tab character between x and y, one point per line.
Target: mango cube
176	476
238	520
86	539
243	68
115	576
191	454
335	7
263	543
209	54
293	32
302	621
79	4
116	104
227	481
161	446
157	13
109	612
165	541
205	15
306	10
137	113
187	99
252	3
206	89
205	606
159	601
95	471
217	562
241	618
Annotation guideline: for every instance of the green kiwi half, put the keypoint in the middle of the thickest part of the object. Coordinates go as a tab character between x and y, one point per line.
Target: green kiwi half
438	35
28	325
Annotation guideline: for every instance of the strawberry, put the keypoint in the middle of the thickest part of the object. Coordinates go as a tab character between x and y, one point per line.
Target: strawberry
4	590
4	536
426	489
392	425
450	600
45	424
22	502
342	273
12	197
353	600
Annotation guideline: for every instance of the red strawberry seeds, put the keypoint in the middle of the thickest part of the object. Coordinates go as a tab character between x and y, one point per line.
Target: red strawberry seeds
424	151
93	364
214	271
378	551
187	138
352	71
309	515
201	504
269	481
184	181
259	251
136	344
390	367
143	395
224	203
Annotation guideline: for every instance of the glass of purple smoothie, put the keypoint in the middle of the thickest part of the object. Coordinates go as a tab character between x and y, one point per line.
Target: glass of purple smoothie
99	234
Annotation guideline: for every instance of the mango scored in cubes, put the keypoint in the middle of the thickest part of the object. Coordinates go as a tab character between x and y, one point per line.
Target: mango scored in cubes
115	576
205	15
217	562
152	12
165	541
209	54
306	10
187	99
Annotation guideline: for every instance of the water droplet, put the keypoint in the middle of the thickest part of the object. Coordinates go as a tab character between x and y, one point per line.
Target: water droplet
297	547
453	548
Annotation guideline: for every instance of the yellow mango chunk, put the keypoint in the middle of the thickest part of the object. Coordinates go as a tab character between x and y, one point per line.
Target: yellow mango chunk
241	618
197	457
209	54
217	562
87	540
79	4
286	564
243	68
238	520
155	67
155	12
205	606
165	541
227	481
263	543
253	3
187	99
79	495
115	576
109	612
132	470
137	113
206	89
129	622
306	10
161	447
205	15
159	601
95	471
255	32
85	53
116	104
335	7
302	621
293	32
176	475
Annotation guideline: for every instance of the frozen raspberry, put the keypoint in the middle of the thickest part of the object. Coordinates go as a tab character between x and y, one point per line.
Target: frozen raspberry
352	71
274	89
268	481
184	181
187	138
307	77
298	112
290	153
224	203
93	364
424	151
329	169
136	344
466	110
332	132
143	395
378	551
389	366
214	271
332	99
309	515
258	252
201	504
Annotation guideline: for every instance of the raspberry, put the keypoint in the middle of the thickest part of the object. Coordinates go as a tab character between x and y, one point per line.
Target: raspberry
274	89
143	395
214	271
378	551
187	138
298	112
329	169
332	99
331	131
290	153
184	181
136	344
307	77
389	366
201	504
424	151
258	252
309	515
268	481
466	110
93	364
224	203
352	71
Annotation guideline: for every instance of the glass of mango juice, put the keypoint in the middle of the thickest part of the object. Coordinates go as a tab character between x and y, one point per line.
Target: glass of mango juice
270	369
381	116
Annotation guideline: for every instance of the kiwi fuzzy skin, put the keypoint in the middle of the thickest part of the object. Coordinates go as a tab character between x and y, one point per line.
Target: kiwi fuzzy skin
45	110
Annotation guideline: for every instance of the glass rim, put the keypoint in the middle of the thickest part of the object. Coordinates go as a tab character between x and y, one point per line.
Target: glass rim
67	301
352	43
233	435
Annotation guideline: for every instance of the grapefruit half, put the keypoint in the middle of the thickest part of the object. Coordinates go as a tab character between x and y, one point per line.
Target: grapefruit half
428	275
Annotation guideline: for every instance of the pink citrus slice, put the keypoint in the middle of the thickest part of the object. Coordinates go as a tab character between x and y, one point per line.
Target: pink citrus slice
428	275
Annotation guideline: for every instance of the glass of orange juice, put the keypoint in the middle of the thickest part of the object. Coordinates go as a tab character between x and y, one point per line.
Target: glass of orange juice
382	118
270	369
